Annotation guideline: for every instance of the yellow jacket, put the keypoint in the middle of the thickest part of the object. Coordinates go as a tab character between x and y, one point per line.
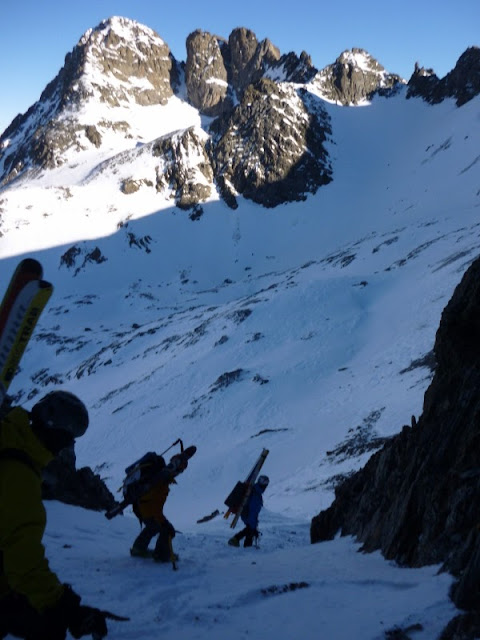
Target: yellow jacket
151	504
23	566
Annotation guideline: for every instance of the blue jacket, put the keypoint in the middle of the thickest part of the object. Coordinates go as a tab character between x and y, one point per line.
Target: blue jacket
253	507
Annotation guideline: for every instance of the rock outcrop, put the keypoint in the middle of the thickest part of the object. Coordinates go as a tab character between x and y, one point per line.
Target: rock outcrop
417	499
270	148
184	170
80	487
353	77
462	83
206	75
249	58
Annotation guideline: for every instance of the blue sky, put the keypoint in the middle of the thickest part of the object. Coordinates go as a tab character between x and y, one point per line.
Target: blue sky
36	36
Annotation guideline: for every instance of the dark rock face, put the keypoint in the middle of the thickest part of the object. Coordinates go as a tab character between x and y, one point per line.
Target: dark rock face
189	183
63	482
217	69
417	499
206	75
462	83
354	76
270	148
293	68
249	58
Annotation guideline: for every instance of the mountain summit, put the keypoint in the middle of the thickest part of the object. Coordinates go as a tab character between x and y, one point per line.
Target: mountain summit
248	253
257	117
255	145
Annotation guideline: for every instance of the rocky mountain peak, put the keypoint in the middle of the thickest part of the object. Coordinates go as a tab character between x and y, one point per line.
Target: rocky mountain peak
249	58
119	62
206	75
462	83
353	77
126	61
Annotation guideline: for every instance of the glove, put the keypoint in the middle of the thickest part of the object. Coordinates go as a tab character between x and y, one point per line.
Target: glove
88	621
178	463
53	623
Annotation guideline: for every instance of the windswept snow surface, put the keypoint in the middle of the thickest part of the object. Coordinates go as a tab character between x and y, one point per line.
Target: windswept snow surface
305	329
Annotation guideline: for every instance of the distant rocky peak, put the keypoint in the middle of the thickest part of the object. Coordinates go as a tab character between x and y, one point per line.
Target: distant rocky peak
206	74
126	61
218	71
354	77
118	63
249	58
462	83
422	72
292	68
362	59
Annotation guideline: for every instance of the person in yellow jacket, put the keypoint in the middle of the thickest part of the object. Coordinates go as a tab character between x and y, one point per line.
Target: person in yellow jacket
149	510
34	603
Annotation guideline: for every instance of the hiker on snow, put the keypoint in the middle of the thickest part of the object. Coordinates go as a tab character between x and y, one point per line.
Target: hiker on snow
34	604
149	510
250	513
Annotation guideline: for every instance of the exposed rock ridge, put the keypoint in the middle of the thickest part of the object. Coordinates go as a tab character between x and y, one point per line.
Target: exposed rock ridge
417	499
462	83
354	77
268	131
116	63
271	147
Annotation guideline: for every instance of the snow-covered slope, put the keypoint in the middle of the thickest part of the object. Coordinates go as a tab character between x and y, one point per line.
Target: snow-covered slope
329	300
305	329
285	589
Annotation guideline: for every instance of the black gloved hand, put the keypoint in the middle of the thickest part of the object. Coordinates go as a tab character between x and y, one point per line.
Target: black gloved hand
53	623
178	463
86	621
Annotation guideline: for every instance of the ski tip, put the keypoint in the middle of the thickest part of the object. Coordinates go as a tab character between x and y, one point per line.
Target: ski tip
30	266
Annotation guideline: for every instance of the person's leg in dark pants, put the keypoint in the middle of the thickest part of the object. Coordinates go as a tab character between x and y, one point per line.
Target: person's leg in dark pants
163	547
140	545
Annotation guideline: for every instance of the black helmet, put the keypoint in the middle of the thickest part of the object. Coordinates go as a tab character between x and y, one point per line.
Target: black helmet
61	410
263	481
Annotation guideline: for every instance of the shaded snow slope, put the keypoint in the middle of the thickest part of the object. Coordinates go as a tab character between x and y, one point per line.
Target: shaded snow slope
287	588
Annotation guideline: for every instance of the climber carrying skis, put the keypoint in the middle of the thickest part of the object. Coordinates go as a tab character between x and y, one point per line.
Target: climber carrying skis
249	514
146	487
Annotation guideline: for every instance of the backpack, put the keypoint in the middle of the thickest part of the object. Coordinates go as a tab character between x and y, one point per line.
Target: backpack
141	476
235	498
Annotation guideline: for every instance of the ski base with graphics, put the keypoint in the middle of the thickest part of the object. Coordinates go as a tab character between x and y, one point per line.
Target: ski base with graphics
23	302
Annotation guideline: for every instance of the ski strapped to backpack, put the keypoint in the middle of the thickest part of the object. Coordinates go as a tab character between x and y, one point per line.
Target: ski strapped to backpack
23	302
240	494
144	473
